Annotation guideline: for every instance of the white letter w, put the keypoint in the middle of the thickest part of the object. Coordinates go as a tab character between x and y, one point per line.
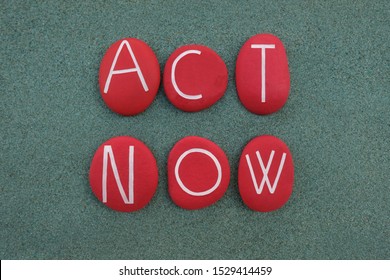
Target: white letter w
265	170
108	152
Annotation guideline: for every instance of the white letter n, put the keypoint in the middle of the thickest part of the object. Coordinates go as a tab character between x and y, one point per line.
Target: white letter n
109	153
123	71
265	170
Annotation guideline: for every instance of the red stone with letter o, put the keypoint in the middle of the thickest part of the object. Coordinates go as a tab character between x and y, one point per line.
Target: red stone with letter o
198	173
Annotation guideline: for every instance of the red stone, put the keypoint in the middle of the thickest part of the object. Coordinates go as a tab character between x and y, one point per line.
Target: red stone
135	167
195	77
263	92
131	92
270	185
198	173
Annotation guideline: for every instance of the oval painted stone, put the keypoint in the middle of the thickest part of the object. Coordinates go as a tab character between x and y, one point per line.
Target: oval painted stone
262	74
195	77
123	174
198	173
129	76
265	173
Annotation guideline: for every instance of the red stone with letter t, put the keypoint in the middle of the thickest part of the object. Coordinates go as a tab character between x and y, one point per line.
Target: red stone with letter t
262	74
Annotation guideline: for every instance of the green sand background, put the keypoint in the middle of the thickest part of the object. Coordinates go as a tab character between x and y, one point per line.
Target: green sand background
336	123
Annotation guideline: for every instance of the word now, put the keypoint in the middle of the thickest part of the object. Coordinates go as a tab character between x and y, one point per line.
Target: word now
124	174
195	77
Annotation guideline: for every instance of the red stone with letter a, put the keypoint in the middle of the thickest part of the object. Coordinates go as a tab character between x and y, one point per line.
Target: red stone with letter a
195	77
198	173
123	174
129	76
262	74
265	173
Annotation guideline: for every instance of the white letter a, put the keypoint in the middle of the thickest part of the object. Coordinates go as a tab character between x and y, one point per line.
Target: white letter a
123	71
